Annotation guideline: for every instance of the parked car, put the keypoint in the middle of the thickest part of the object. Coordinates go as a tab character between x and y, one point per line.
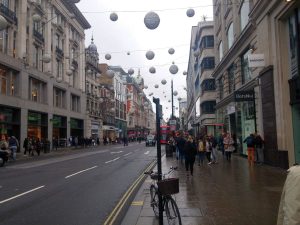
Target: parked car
150	140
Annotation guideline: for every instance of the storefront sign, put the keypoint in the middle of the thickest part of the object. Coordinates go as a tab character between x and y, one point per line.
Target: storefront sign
242	96
256	60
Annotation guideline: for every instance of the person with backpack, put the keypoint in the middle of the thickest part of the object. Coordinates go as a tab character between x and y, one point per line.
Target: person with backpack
259	142
201	151
250	141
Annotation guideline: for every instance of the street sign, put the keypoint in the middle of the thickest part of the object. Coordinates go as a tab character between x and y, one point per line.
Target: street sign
256	60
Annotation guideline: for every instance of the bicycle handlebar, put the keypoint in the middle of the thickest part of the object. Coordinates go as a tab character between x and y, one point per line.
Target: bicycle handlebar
150	172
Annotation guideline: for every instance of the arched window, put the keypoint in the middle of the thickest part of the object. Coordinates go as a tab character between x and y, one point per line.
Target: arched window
245	9
230	35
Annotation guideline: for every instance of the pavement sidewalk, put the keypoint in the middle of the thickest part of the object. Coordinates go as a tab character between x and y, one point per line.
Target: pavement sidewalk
218	194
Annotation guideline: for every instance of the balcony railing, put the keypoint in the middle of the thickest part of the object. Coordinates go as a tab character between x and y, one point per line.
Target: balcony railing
59	52
8	14
38	36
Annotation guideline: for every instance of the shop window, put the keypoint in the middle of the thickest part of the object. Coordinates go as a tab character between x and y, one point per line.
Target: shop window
230	37
244	14
75	103
231	79
246	72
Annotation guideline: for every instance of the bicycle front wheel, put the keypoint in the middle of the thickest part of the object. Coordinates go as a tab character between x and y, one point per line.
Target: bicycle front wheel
154	200
172	211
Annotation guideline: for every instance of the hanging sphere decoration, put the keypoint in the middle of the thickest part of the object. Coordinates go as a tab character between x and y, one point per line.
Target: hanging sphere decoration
175	93
152	70
110	73
176	108
146	87
146	104
190	12
113	16
150	55
69	72
173	69
107	56
59	79
151	20
184	73
163	81
169	100
131	71
156	86
171	51
179	99
196	53
36	18
98	75
128	53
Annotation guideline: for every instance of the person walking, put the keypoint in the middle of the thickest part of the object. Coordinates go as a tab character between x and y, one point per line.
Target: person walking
201	151
214	144
13	145
180	142
250	141
228	146
208	150
190	152
25	145
259	142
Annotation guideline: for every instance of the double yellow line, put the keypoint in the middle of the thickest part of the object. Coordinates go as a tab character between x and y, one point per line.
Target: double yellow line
114	214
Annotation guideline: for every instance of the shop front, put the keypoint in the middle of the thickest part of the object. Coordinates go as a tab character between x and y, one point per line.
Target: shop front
9	122
59	131
109	132
37	125
76	126
95	130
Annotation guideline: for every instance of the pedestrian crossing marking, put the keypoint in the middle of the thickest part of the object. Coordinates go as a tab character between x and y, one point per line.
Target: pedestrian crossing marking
137	203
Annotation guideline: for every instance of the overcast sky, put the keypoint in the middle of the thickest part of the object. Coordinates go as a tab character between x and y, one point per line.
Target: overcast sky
129	34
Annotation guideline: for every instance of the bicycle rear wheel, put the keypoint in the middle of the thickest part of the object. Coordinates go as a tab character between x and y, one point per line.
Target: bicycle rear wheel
154	199
172	211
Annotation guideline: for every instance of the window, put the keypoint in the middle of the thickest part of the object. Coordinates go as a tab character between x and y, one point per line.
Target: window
37	90
207	42
59	68
221	87
230	35
197	85
208	63
8	82
5	3
231	80
246	73
4	41
59	97
220	49
208	85
245	9
75	103
208	107
36	56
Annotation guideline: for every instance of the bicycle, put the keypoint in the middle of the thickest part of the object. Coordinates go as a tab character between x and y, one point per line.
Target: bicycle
166	187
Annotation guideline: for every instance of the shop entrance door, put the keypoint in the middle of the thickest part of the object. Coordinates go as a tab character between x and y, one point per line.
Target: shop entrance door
296	129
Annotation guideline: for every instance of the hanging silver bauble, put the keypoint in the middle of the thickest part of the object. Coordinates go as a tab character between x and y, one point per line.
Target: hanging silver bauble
196	53
175	93
176	108
166	107
101	100
69	72
110	73
150	55
190	12
179	99
128	53
151	20
113	16
98	75
146	87
107	56
184	73
3	23
36	18
163	81
185	89
46	58
59	79
169	100
152	70
131	71
146	104
156	86
173	69
171	51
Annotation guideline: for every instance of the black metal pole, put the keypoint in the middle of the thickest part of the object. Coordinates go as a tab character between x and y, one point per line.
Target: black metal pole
172	99
159	170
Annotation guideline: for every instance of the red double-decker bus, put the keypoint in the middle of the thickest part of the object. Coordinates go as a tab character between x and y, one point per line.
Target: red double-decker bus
164	131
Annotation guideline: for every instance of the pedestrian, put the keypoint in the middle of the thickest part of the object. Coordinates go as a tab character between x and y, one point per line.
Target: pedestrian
228	146
214	149
250	141
259	142
201	151
289	208
190	153
3	143
38	146
180	142
221	143
54	143
208	148
13	145
25	145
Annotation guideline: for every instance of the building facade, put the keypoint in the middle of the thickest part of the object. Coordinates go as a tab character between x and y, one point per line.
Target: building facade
257	74
42	70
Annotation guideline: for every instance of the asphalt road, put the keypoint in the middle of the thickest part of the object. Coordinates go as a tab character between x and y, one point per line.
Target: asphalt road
81	188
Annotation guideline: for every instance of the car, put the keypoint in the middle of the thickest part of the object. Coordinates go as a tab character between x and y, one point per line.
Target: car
150	140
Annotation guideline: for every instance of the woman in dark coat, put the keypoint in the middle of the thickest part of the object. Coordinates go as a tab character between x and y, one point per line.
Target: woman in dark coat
190	152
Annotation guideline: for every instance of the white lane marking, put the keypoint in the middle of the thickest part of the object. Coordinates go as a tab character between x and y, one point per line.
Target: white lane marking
24	193
81	171
147	152
128	154
116	152
112	160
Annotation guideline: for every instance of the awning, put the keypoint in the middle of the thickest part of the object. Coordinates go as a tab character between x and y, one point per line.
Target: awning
105	127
